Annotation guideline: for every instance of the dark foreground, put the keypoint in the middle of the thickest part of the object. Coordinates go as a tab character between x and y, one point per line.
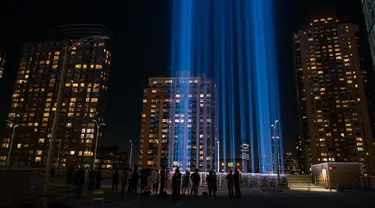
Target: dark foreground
250	198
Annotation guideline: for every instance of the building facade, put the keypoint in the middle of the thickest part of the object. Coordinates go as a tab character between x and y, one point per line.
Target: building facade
369	13
2	63
34	102
178	123
333	104
112	158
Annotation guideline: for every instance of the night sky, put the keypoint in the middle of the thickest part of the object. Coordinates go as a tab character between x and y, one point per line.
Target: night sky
141	46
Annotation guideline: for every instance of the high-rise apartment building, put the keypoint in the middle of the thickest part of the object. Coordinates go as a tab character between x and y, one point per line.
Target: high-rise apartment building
333	104
178	123
35	94
2	63
369	13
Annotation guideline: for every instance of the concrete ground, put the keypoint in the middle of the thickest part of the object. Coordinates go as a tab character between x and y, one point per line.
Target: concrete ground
250	198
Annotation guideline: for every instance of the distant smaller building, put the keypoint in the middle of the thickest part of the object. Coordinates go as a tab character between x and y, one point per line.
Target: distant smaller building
112	158
291	164
230	165
299	153
331	174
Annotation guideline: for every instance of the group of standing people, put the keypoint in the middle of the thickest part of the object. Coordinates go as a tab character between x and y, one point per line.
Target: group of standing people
148	182
79	177
234	180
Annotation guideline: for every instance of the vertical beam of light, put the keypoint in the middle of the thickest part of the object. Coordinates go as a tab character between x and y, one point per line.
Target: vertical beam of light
181	56
231	82
241	69
232	41
275	100
249	75
262	88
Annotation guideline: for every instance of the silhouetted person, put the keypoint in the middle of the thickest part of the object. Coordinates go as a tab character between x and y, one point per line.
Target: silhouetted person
237	180
91	180
195	179
162	180
211	182
98	179
124	180
230	183
130	181
80	181
115	179
186	182
134	181
155	178
176	183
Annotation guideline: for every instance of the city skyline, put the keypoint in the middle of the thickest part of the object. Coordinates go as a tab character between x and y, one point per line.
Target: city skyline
133	88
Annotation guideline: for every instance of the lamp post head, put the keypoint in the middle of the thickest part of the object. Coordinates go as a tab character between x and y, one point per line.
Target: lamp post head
103	124
272	125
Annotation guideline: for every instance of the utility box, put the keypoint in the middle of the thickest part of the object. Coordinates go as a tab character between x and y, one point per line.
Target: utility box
331	174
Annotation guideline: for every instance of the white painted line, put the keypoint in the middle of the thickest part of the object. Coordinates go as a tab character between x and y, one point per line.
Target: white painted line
178	205
263	193
124	205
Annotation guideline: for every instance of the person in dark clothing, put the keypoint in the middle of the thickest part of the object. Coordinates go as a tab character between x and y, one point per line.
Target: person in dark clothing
211	181
130	181
134	181
91	180
98	179
80	181
186	182
195	179
124	180
230	183
176	183
115	179
162	180
237	180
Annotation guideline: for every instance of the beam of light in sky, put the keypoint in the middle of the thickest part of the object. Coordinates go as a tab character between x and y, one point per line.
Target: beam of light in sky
232	41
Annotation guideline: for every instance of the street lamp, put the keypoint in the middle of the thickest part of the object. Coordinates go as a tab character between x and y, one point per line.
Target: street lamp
14	126
277	151
98	125
56	116
218	155
131	153
58	154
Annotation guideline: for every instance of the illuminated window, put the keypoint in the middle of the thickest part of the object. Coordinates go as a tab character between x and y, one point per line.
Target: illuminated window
71	152
38	159
94	100
78	66
41	140
39	152
19	145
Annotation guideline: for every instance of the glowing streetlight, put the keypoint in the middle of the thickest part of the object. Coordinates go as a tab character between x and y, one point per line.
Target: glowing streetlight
98	125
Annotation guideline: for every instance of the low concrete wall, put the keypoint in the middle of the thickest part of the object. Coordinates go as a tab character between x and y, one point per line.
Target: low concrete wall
15	186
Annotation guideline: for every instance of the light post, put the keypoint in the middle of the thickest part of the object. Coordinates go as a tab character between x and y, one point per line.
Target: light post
277	151
58	154
98	125
14	126
56	116
131	153
218	156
